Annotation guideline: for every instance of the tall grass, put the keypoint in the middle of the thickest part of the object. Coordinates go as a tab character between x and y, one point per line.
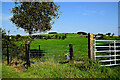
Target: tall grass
49	69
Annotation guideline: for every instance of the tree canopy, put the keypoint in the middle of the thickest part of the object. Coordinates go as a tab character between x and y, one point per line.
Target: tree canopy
34	16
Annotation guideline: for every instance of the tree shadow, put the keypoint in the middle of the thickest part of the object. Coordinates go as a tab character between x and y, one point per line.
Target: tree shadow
34	53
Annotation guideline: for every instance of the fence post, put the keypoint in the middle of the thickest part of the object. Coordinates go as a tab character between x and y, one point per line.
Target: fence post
39	51
7	54
90	46
27	55
26	52
71	51
39	47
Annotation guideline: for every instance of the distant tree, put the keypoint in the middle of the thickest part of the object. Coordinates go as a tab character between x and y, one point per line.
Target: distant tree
52	33
81	33
108	34
100	34
2	31
18	35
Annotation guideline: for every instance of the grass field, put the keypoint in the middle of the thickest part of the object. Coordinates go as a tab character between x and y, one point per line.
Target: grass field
57	48
53	49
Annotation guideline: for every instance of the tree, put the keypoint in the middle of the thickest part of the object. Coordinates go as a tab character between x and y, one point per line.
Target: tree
18	35
34	16
81	33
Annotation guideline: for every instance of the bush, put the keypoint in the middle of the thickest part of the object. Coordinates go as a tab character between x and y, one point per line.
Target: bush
59	37
63	37
56	36
40	37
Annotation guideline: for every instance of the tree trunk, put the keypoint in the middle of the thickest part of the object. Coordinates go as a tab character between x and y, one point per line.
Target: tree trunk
29	38
29	41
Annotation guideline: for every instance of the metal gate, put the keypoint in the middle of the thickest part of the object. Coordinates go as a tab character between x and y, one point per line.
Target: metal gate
107	52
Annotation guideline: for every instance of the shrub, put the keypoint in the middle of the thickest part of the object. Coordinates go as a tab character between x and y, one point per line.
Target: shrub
63	37
56	36
59	37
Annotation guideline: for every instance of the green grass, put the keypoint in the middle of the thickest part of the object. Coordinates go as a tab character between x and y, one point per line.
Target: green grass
49	69
0	70
9	72
61	47
55	49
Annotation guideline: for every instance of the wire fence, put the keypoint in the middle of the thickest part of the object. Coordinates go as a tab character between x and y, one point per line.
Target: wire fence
12	52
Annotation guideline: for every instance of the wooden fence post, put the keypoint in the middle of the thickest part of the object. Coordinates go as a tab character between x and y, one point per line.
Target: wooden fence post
39	47
7	54
27	55
26	51
90	46
39	51
71	51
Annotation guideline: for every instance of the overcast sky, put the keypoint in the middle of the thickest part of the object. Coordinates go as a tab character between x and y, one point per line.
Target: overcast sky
93	17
